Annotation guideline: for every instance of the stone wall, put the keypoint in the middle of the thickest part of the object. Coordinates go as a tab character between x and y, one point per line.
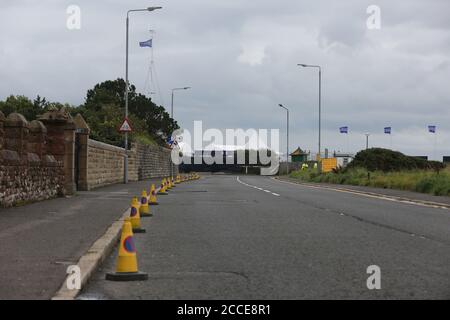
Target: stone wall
152	161
104	164
29	171
54	156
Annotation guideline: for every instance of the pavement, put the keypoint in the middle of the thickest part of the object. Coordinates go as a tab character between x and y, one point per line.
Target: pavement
252	237
40	240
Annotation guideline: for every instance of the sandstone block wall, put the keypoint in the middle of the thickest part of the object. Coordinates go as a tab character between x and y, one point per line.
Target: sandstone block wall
105	164
152	161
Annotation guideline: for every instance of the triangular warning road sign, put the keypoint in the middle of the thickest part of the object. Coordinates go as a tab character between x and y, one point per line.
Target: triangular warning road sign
125	127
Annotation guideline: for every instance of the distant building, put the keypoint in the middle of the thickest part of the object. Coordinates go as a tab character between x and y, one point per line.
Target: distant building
343	159
299	155
446	159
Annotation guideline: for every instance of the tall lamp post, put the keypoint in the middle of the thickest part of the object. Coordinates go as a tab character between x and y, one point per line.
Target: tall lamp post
287	137
125	175
367	140
320	98
171	115
173	90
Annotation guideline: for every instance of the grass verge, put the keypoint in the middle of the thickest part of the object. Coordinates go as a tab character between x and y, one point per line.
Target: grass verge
424	181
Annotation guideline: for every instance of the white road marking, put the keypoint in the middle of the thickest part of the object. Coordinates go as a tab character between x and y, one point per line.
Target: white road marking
370	195
257	188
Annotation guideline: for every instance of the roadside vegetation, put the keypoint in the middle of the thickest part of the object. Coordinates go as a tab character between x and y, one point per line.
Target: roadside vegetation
103	110
388	169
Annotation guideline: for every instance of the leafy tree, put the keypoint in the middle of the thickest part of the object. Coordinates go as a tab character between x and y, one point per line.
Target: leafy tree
104	105
103	110
29	109
20	104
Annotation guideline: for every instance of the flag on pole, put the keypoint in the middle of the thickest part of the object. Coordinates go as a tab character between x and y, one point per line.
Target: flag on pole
387	130
432	129
343	129
148	43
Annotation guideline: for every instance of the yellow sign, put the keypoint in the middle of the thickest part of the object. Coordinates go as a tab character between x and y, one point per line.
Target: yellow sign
329	164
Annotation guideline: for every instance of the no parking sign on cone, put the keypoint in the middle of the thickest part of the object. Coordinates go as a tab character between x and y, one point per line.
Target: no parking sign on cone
127	267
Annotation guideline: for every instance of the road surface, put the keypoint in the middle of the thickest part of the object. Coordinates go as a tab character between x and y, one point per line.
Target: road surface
251	237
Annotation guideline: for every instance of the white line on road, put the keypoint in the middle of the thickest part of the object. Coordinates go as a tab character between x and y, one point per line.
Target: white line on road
255	187
370	195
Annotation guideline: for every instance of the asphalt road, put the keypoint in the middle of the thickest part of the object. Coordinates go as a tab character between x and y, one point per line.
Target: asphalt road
224	237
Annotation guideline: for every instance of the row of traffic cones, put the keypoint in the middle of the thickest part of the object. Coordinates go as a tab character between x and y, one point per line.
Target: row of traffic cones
127	266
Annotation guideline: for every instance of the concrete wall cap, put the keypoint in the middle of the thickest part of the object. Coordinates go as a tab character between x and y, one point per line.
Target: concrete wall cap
80	123
56	115
17	118
37	126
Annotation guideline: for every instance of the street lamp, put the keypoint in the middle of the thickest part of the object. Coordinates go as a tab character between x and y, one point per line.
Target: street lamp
171	115
287	137
125	175
176	89
320	98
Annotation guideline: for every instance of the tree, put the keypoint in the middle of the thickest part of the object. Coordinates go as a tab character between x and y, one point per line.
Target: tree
103	110
19	104
107	100
29	109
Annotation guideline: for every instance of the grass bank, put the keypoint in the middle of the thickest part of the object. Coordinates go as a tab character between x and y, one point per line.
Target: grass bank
425	181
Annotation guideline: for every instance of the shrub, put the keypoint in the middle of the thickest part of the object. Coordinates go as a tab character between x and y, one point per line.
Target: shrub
425	181
388	160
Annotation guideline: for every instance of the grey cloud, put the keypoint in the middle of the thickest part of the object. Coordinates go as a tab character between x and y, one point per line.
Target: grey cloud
394	76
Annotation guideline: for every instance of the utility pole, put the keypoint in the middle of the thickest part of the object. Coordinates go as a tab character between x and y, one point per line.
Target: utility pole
125	163
320	99
287	137
171	115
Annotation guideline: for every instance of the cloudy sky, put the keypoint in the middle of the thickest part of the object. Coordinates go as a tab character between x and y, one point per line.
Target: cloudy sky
240	59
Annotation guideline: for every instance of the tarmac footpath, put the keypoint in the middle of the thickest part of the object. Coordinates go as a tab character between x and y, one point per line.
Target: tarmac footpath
40	240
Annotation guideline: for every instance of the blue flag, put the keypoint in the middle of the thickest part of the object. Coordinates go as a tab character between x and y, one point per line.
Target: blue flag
148	43
432	129
343	129
387	130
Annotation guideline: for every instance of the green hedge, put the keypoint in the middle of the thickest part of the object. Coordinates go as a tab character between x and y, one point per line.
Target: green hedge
387	160
425	181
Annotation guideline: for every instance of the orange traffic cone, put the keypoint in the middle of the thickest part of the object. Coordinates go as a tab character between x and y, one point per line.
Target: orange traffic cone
169	185
127	267
163	191
144	209
135	216
153	201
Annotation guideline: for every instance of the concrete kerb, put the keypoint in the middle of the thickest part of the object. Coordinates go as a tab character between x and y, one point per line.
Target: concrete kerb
93	258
